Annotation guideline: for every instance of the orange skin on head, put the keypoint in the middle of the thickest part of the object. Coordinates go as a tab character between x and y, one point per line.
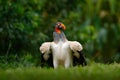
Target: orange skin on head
58	30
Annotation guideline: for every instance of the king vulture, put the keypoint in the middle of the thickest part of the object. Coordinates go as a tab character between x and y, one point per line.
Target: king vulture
62	52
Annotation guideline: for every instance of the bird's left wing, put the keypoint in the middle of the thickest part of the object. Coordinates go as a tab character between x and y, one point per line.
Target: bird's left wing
78	57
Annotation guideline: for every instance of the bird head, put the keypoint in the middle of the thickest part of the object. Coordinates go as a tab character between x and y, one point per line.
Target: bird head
59	27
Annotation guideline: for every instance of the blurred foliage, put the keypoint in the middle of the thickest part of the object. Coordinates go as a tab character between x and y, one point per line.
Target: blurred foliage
25	24
14	61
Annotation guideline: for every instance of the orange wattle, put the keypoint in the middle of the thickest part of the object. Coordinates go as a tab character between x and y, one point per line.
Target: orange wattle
57	30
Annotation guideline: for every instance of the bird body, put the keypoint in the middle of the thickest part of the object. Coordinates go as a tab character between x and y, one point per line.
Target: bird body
62	55
64	52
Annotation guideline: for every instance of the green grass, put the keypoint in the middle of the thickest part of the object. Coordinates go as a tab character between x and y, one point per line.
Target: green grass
94	71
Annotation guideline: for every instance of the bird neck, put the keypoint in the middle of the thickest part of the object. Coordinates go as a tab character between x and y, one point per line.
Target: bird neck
59	37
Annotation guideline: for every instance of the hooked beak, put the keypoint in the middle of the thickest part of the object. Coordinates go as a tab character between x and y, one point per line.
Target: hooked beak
63	26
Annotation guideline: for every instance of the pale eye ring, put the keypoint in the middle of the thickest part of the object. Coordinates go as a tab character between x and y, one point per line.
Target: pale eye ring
58	24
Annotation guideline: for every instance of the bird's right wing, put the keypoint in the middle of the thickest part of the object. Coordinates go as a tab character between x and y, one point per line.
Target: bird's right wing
45	49
46	56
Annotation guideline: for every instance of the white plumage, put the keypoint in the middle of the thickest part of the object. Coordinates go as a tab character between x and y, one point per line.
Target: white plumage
62	55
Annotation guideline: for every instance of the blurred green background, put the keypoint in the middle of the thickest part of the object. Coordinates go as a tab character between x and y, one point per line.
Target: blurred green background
26	24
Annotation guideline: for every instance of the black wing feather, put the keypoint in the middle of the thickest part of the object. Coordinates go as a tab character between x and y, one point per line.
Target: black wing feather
79	61
48	63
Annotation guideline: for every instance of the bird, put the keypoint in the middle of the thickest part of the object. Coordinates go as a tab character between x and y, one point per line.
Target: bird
61	51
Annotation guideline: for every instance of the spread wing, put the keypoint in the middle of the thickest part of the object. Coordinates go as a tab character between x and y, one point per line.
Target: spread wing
78	57
46	56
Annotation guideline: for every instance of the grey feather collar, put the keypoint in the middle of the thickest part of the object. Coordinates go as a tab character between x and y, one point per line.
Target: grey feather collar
57	37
